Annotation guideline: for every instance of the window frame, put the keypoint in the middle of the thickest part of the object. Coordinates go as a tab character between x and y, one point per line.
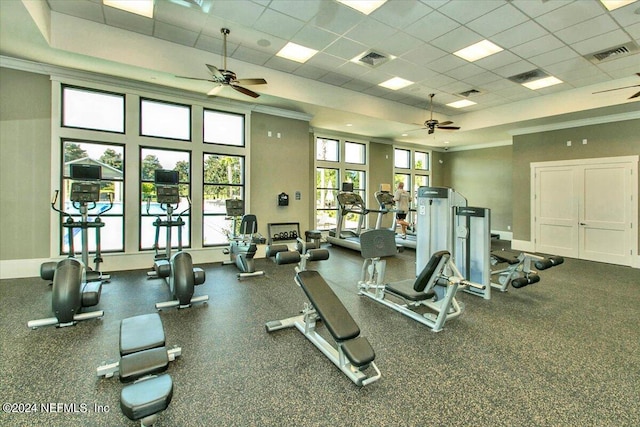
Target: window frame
64	86
229	113
142	99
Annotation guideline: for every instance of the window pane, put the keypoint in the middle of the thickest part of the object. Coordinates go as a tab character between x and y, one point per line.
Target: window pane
165	120
219	169
421	160
216	230
357	178
401	158
327	149
326	219
420	181
354	153
327	178
87	109
401	177
223	128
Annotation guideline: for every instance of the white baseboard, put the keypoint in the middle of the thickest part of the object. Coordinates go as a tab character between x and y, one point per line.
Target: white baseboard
22	268
523	245
635	262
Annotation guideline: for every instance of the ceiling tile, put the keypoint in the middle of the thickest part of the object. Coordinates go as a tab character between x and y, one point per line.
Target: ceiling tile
128	21
302	10
310	72
622	62
454	88
482	78
313	37
514	69
634	31
497	21
498	85
369	32
626	15
537	8
180	16
401	68
468	70
336	18
587	29
536	47
497	60
252	56
462	13
335	79
326	61
588	81
446	63
352	69
398	44
456	40
424	54
282	64
357	85
553	57
208	43
519	34
82	9
175	34
431	26
243	12
601	42
577	67
278	24
400	14
346	49
570	14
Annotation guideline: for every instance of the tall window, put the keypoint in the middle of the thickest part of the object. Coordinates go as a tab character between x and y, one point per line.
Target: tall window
412	167
92	109
338	161
110	158
223	179
150	160
223	128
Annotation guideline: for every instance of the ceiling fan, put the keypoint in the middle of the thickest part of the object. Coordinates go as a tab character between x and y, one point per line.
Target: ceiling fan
432	124
223	77
625	87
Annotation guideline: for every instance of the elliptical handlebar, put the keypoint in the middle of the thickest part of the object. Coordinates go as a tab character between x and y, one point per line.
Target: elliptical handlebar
54	200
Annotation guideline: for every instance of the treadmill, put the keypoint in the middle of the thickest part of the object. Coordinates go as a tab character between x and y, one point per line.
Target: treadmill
387	205
348	202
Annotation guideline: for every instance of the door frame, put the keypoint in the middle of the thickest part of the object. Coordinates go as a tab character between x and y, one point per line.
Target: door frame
632	160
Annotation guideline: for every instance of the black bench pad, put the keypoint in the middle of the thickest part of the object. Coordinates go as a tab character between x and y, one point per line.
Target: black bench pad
91	294
141	333
147	362
359	351
405	289
330	309
146	397
504	256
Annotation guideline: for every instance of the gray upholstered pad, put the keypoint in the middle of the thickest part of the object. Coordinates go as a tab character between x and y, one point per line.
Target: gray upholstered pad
147	362
406	291
359	351
146	397
141	333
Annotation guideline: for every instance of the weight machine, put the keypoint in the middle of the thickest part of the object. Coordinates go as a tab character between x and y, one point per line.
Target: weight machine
242	247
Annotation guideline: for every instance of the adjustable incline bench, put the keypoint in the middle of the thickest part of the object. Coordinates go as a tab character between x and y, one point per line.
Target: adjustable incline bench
435	288
143	355
353	354
519	273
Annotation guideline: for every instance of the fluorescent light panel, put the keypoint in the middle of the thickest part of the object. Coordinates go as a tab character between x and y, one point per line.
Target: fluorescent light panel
478	51
396	83
139	7
614	4
540	83
363	6
461	104
297	53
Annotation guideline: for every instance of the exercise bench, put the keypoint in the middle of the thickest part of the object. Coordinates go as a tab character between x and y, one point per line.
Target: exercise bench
435	288
519	273
143	359
353	354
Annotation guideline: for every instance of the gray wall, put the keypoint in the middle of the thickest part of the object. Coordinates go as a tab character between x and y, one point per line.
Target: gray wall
25	164
484	177
603	140
380	172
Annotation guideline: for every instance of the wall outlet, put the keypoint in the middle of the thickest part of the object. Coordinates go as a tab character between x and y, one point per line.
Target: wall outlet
568	143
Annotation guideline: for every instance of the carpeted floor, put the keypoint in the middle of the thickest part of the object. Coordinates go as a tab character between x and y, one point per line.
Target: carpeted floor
562	352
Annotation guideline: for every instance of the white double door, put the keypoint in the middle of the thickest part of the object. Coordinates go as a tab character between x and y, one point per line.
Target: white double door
587	208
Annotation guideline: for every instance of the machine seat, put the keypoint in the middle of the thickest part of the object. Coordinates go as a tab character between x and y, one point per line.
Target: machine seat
359	351
505	256
140	333
405	289
137	365
91	294
147	397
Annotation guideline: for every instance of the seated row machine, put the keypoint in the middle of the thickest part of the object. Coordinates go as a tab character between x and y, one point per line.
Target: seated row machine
353	354
143	359
435	287
518	273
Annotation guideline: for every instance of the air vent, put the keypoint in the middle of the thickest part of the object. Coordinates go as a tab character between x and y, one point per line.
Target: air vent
372	58
529	76
613	53
469	92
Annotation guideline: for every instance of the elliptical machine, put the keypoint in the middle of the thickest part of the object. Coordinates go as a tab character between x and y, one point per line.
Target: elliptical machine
74	284
242	248
177	269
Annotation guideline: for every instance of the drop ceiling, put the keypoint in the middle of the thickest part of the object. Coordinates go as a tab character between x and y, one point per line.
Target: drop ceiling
557	37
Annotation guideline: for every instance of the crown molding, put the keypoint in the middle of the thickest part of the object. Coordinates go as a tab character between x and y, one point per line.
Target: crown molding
577	123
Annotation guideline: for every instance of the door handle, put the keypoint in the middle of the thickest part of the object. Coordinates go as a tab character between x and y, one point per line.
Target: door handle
582	223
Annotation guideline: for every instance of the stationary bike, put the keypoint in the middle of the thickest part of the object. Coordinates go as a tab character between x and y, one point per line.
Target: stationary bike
177	269
74	284
242	248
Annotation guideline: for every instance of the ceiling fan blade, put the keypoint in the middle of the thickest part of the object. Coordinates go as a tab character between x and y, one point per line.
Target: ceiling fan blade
195	78
635	96
215	72
245	91
215	90
445	123
250	81
449	127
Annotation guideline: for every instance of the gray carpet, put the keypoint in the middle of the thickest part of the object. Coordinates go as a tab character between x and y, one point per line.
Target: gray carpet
562	352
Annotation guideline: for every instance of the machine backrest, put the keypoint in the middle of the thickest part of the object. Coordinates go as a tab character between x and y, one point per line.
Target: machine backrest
249	224
378	243
434	265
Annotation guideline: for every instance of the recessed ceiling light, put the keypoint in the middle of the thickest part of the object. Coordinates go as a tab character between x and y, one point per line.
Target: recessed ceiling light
540	83
139	7
396	83
446	142
349	124
478	51
297	53
405	134
364	6
462	103
614	4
